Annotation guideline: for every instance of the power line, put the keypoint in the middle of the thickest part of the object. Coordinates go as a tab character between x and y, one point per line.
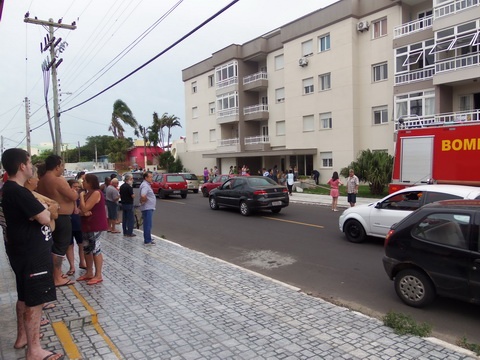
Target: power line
158	55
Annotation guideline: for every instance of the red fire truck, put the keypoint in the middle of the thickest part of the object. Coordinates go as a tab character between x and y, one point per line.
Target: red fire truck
439	153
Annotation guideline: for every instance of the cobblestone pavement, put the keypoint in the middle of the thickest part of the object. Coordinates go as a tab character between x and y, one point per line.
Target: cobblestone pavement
169	302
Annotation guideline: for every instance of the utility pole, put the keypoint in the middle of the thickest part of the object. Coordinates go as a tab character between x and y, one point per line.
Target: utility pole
27	124
52	43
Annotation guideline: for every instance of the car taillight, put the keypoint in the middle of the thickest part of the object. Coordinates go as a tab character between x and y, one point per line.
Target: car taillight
259	192
387	238
285	190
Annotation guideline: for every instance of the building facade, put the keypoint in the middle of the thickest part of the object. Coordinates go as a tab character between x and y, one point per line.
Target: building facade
317	91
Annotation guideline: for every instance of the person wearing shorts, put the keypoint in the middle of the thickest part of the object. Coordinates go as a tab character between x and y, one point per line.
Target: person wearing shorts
28	244
352	187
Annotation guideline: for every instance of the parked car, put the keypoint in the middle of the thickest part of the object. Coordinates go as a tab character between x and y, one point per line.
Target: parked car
249	193
192	182
164	185
214	183
137	178
375	219
102	174
436	251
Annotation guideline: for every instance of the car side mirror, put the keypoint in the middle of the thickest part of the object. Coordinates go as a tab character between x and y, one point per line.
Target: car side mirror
378	205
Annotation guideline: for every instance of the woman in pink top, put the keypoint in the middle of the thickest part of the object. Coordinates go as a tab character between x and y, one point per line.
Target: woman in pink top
334	183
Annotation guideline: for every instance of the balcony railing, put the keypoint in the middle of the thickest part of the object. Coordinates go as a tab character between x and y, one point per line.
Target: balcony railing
413	76
445	119
454	7
260	139
255	109
228	142
412	27
227	82
457	63
227	112
262	75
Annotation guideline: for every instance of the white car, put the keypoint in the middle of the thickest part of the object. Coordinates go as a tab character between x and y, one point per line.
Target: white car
375	219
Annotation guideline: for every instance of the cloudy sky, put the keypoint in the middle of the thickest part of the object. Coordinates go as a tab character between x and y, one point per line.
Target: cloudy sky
112	39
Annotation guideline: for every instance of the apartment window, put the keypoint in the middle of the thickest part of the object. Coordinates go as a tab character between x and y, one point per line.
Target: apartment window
212	135
466	102
414	57
211	80
211	108
280	128
194	87
380	72
380	115
324	81
307	48
326	159
280	95
227	74
324	43
227	101
307	86
415	104
279	62
308	123
457	41
195	112
195	137
379	28
326	120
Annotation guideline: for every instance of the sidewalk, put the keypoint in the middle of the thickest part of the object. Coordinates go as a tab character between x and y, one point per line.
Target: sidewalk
169	302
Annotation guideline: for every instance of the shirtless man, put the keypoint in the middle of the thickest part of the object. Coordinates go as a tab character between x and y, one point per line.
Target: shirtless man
54	186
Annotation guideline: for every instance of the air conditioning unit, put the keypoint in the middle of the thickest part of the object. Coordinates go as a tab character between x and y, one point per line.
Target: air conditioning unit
362	26
303	61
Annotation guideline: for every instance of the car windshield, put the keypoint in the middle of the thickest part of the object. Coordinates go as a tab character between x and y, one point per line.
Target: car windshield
175	178
261	181
101	175
190	176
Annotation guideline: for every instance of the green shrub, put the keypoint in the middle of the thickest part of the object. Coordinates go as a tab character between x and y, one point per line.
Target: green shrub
469	346
404	324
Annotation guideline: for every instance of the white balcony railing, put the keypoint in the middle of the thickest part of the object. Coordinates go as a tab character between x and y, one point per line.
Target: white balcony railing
227	82
262	75
457	63
452	118
227	112
260	139
412	27
454	7
413	76
255	109
228	142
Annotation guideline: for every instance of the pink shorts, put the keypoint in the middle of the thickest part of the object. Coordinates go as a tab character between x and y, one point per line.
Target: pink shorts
334	193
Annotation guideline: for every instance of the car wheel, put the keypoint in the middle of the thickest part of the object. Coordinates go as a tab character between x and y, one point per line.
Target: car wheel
354	231
244	209
195	191
205	192
161	194
414	288
183	196
276	210
213	203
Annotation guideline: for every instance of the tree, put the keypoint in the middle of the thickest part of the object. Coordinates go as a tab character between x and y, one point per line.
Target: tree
167	161
117	149
121	113
169	122
374	167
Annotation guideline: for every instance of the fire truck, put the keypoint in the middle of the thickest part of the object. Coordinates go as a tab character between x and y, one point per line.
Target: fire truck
442	152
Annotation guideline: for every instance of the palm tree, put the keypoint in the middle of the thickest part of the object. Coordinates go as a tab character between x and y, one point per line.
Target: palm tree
121	112
170	121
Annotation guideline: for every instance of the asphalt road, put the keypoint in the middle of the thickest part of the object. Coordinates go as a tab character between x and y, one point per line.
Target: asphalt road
302	246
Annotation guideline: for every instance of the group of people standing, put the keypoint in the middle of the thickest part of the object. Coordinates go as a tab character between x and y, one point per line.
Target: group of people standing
352	188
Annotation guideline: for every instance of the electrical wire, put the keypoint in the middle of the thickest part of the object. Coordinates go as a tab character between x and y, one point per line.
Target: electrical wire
158	55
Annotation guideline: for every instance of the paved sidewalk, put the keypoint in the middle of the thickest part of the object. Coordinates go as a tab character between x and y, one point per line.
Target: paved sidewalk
169	302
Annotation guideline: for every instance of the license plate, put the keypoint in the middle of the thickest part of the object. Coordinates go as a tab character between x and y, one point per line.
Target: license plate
276	203
176	191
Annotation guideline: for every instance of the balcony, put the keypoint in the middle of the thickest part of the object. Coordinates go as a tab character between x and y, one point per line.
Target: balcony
454	7
256	112
457	63
414	76
227	116
257	143
413	27
255	82
229	145
227	82
446	119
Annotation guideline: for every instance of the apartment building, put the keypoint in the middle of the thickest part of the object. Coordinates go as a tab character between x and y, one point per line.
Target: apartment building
317	91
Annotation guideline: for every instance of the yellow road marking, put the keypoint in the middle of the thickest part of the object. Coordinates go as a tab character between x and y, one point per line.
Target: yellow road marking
96	325
294	222
65	338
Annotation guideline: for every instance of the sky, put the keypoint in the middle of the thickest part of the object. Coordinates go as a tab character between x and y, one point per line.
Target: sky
112	39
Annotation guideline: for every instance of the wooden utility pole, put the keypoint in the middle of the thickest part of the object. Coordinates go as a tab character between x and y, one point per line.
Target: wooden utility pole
51	43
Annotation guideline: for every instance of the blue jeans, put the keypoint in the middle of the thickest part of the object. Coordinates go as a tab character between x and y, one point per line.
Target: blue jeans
147	216
127	219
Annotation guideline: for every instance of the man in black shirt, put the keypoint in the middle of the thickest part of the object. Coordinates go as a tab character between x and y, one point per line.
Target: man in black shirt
126	197
28	245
